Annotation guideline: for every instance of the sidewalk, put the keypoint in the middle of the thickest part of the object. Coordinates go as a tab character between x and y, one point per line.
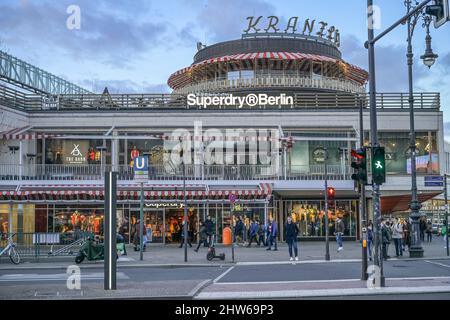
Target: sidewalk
157	255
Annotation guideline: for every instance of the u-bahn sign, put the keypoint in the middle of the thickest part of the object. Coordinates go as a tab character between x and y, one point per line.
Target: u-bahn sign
311	28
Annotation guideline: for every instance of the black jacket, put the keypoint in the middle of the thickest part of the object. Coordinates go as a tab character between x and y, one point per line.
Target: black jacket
209	226
238	230
291	231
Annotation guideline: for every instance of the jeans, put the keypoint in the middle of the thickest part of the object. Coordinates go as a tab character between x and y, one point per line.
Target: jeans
272	241
292	243
339	239
429	236
385	250
200	242
369	248
398	247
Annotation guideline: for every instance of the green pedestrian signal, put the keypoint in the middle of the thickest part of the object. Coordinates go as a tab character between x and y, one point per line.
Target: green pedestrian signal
360	165
378	165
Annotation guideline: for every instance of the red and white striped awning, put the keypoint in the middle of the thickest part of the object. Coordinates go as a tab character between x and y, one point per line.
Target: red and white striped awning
19	134
182	77
156	192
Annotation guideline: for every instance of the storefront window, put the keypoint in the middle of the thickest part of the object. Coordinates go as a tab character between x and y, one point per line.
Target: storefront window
77	152
398	159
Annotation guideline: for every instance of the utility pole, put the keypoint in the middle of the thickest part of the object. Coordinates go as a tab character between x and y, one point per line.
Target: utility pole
446	213
327	240
362	201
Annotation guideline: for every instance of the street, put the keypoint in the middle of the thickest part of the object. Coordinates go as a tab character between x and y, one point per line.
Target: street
262	280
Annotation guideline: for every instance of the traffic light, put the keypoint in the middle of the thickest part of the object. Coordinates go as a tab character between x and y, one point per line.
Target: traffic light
441	12
331	192
360	164
378	165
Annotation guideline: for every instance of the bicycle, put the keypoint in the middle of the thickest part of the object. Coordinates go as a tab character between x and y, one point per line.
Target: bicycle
12	251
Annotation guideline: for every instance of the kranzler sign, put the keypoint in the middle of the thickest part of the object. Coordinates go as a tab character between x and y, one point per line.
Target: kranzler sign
294	26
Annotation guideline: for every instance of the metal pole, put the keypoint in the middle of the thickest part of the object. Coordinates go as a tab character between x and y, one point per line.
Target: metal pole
185	230
416	250
327	240
374	140
110	223
362	202
141	225
446	213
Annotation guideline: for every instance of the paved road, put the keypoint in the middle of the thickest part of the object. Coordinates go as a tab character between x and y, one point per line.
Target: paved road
187	282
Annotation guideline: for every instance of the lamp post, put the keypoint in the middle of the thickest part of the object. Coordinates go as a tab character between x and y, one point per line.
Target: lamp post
429	58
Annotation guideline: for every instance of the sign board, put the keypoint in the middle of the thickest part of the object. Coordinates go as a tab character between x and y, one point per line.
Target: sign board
434	181
140	168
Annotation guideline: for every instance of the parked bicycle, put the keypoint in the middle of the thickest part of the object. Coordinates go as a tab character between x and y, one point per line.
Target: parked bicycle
11	250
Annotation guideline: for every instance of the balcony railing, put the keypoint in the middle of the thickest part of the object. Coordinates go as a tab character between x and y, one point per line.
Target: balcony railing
193	172
165	102
273	81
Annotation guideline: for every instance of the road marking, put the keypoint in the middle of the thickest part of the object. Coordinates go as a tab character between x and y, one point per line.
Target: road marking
223	274
198	287
438	264
296	262
287	281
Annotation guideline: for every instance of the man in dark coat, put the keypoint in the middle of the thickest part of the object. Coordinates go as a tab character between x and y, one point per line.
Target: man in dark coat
202	236
291	232
239	230
385	238
209	229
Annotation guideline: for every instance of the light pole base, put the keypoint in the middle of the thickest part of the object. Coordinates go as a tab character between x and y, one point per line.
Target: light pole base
416	253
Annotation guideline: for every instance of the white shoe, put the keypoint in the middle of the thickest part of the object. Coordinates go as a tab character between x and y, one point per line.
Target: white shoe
340	249
296	258
291	259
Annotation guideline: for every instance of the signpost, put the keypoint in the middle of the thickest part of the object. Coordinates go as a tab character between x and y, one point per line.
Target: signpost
141	176
434	181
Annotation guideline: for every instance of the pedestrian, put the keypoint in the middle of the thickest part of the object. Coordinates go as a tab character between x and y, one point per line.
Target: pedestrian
122	231
385	238
444	233
182	236
239	230
137	236
406	234
397	235
339	228
203	236
370	239
261	234
429	231
422	228
209	229
291	232
253	232
272	232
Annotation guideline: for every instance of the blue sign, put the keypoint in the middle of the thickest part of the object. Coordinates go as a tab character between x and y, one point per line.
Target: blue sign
141	164
434	178
434	181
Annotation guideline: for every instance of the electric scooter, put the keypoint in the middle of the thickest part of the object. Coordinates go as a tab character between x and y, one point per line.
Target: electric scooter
212	252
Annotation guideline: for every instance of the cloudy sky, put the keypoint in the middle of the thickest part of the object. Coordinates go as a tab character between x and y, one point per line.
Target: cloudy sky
134	46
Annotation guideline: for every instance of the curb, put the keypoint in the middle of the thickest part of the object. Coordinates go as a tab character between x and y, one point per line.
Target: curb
289	294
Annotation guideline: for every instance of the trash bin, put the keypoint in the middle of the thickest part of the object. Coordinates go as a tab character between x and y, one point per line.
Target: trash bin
227	238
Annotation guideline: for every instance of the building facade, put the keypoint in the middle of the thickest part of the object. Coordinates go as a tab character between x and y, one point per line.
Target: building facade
258	159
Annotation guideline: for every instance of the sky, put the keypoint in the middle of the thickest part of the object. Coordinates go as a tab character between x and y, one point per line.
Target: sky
134	46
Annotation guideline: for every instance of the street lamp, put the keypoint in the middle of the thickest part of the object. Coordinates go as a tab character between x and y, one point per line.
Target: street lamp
429	58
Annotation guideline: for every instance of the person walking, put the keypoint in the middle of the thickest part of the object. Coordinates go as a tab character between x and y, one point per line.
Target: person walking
272	232
385	238
291	232
406	234
182	236
422	228
370	240
203	236
253	232
429	231
239	230
209	229
137	236
339	228
397	235
261	234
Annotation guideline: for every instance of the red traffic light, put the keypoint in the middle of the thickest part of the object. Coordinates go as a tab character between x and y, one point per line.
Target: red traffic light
331	192
358	154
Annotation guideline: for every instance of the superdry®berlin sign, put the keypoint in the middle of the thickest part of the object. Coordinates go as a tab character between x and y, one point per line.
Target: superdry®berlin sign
310	28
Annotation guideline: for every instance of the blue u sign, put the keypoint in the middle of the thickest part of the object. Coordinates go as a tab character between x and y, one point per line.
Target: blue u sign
141	164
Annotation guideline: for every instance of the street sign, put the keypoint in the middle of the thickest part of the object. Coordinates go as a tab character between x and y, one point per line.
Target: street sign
141	169
434	181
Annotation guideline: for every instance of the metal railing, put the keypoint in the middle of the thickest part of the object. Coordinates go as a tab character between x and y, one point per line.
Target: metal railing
168	173
271	81
302	101
46	244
